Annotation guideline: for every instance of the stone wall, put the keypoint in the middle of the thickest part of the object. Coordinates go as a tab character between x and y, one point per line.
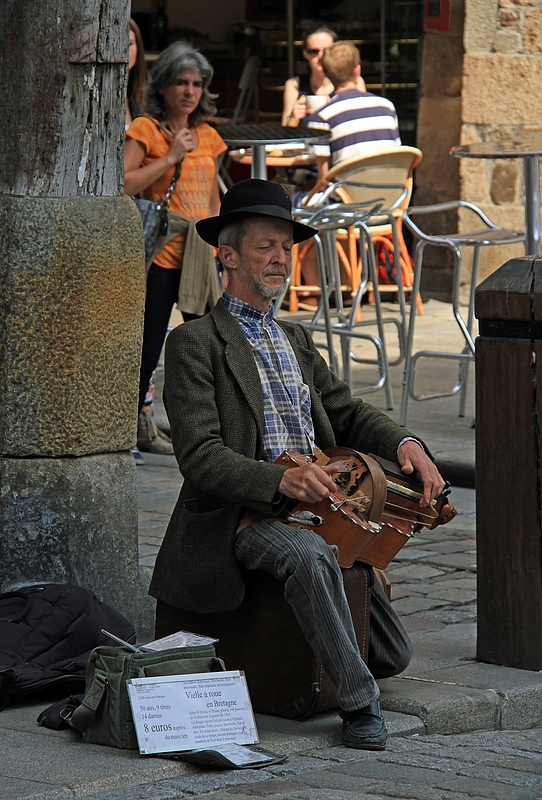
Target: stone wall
501	99
439	126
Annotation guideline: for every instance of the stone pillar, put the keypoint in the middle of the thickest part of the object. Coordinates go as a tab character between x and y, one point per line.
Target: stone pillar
439	125
72	278
501	99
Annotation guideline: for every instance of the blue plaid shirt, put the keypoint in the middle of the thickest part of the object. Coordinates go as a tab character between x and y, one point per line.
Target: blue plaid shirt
286	398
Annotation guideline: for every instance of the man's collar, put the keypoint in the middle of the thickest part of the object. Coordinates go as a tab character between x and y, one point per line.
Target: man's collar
347	88
244	310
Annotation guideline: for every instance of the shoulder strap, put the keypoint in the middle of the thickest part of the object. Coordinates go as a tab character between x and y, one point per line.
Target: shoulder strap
305	84
174	180
85	713
177	172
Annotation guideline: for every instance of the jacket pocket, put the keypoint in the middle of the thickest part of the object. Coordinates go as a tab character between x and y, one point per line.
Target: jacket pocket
202	505
208	535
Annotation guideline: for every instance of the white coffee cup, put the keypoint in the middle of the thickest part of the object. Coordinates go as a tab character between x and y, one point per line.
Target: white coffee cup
316	101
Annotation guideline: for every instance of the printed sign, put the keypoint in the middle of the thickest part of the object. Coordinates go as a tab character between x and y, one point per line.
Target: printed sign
188	712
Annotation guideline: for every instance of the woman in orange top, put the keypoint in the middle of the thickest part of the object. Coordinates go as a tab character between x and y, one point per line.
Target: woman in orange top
172	132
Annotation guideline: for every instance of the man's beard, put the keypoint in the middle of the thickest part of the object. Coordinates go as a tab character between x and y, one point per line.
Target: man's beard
257	283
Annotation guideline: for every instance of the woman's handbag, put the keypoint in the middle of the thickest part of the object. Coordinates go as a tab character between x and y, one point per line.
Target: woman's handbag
155	218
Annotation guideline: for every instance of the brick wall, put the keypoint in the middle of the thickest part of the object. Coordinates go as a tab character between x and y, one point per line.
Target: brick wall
481	81
501	99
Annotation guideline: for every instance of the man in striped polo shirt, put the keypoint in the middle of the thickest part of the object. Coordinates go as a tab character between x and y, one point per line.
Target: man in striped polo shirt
361	123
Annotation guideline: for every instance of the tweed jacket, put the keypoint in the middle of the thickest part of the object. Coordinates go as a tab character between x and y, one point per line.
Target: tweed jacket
214	402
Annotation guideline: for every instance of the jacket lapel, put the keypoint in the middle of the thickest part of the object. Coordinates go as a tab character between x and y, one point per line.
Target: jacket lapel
240	359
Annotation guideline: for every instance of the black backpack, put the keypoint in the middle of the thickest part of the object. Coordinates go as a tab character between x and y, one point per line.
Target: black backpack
47	633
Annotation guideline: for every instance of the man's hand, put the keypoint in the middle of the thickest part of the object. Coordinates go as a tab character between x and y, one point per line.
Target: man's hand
308	484
412	457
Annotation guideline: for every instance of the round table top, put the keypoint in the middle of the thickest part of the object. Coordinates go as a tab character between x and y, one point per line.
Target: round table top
508	148
251	133
292	160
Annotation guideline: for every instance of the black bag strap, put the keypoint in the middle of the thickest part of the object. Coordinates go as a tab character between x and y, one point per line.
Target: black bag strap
165	202
58	715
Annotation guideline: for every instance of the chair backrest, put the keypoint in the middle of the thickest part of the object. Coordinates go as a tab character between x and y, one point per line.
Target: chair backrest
249	74
247	84
394	165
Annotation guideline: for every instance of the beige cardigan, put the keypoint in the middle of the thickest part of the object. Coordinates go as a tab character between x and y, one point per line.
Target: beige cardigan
199	288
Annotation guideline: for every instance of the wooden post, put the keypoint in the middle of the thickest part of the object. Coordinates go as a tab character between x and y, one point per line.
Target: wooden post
63	68
508	478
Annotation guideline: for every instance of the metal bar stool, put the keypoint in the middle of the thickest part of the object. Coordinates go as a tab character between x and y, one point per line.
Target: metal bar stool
388	218
385	218
488	236
334	322
348	327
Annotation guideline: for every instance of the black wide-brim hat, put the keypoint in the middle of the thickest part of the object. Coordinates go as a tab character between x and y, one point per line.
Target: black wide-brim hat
253	198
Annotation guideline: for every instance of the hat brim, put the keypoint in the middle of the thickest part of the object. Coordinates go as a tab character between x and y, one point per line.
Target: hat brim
209	229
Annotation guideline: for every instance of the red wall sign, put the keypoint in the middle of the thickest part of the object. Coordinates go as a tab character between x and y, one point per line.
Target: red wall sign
437	15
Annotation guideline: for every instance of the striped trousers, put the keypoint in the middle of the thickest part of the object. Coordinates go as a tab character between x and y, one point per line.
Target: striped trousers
313	586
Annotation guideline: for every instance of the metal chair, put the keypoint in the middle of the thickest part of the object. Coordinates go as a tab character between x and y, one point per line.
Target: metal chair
489	235
360	230
387	174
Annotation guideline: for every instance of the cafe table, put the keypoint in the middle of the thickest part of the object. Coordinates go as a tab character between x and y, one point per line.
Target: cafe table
257	135
530	151
277	157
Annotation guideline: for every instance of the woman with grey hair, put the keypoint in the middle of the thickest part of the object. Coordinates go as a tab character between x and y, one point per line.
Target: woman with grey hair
172	134
178	58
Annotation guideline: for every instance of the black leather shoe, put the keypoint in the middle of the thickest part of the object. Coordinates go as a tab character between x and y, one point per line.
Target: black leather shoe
364	729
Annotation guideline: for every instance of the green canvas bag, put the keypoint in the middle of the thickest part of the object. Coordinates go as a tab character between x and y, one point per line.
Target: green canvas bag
105	715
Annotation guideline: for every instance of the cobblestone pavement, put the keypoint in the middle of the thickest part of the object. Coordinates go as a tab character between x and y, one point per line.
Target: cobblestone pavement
503	765
159	482
434	576
480	765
